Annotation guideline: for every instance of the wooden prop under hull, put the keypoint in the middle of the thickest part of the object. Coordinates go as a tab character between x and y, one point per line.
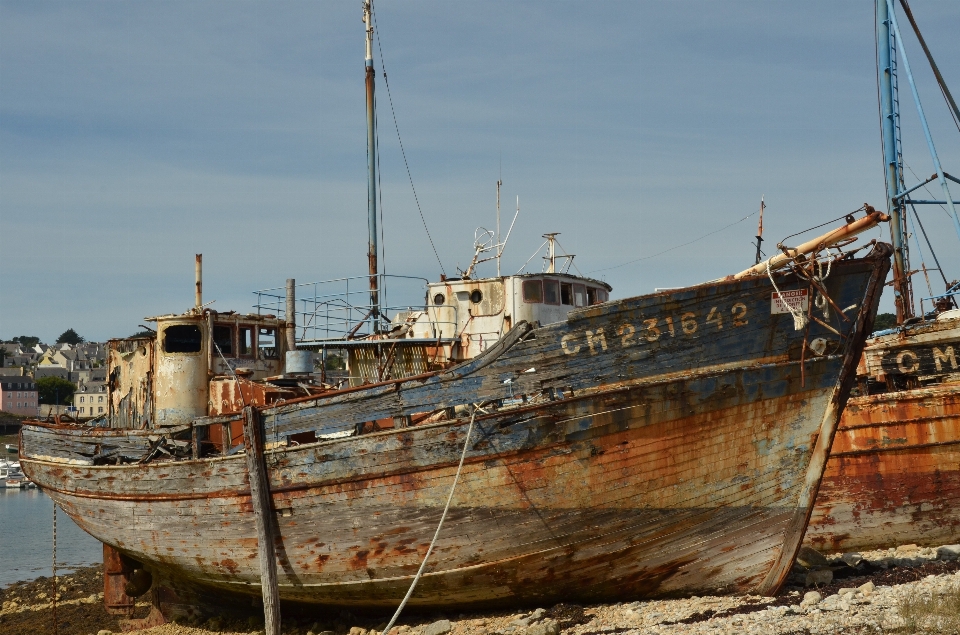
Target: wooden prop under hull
664	445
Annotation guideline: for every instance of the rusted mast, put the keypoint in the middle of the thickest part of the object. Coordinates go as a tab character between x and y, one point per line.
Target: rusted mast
199	278
760	231
371	170
291	315
890	126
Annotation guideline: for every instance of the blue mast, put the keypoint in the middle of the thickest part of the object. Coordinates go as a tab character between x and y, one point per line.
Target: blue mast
890	128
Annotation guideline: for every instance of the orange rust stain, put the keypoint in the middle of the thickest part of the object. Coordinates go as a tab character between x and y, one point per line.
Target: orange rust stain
359	560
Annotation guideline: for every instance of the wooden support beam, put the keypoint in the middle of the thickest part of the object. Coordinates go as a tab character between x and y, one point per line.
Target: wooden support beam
263	514
226	438
195	439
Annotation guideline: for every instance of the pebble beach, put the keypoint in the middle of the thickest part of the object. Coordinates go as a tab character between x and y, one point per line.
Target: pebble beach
904	590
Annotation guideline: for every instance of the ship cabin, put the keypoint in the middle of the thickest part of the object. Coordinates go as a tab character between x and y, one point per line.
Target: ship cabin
473	314
191	367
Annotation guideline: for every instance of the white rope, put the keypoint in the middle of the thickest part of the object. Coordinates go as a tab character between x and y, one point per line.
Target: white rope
443	517
799	319
821	301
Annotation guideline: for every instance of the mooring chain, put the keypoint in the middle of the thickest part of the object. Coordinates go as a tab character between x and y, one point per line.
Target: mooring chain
55	625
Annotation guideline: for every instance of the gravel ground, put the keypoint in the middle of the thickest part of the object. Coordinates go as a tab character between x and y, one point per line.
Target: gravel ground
864	596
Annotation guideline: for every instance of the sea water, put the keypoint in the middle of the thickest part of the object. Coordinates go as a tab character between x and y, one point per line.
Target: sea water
26	538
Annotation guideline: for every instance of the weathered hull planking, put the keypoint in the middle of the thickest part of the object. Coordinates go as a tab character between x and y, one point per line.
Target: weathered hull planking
894	471
658	446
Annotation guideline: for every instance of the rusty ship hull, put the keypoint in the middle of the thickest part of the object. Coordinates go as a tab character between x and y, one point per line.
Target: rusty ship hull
893	476
657	446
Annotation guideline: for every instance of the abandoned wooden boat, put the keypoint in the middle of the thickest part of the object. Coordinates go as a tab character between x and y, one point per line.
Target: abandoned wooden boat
660	445
894	471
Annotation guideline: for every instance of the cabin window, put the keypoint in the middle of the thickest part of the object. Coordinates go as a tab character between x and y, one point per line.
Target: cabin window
182	338
532	291
267	343
566	294
551	292
476	296
245	341
591	296
439	299
579	295
602	295
223	338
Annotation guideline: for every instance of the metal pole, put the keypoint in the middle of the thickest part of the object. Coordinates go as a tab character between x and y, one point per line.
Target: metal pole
371	170
760	232
291	330
923	121
891	164
499	247
933	64
199	278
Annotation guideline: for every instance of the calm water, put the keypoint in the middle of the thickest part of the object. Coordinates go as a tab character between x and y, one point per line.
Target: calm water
26	538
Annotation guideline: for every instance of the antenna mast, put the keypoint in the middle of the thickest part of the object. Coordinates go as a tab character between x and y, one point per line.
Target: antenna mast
371	170
499	245
760	231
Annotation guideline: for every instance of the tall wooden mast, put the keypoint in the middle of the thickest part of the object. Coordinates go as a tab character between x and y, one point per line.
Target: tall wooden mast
371	169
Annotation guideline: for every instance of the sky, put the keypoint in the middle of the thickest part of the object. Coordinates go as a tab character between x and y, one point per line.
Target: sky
134	135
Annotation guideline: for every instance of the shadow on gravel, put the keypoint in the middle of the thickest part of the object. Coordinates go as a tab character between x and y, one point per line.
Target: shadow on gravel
790	595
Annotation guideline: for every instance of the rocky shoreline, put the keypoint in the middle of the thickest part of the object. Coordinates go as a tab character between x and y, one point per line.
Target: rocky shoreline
903	590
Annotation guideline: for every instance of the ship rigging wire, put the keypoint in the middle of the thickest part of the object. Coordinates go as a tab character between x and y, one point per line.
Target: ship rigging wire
660	253
403	153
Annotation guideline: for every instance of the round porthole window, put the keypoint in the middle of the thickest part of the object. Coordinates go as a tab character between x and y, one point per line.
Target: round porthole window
439	299
476	296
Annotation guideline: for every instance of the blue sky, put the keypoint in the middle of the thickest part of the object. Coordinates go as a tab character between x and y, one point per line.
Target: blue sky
136	134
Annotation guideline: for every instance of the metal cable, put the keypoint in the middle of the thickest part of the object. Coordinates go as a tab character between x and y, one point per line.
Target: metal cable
403	152
916	217
443	517
660	253
809	229
382	282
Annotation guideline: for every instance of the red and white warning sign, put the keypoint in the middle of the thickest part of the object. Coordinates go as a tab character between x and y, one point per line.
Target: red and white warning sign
783	302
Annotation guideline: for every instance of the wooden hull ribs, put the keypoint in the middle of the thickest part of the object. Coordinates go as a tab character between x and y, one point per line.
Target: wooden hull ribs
894	471
657	446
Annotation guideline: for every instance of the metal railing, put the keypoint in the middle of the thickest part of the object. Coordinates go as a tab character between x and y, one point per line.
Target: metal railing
952	292
338	310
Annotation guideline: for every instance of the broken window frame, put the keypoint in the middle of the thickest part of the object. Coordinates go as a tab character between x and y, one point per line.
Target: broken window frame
528	286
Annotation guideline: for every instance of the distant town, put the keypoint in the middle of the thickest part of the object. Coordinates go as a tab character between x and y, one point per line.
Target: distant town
66	377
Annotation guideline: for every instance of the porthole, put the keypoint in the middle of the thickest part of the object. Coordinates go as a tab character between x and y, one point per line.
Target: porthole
476	296
439	299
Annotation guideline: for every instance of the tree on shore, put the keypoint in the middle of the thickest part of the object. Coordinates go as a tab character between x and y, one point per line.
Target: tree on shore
55	390
884	321
25	340
69	337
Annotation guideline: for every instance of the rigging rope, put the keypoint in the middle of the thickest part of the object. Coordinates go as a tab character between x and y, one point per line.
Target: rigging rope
402	151
676	247
443	517
799	319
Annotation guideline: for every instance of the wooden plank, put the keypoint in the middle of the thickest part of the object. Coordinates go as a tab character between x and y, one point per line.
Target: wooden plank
263	516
